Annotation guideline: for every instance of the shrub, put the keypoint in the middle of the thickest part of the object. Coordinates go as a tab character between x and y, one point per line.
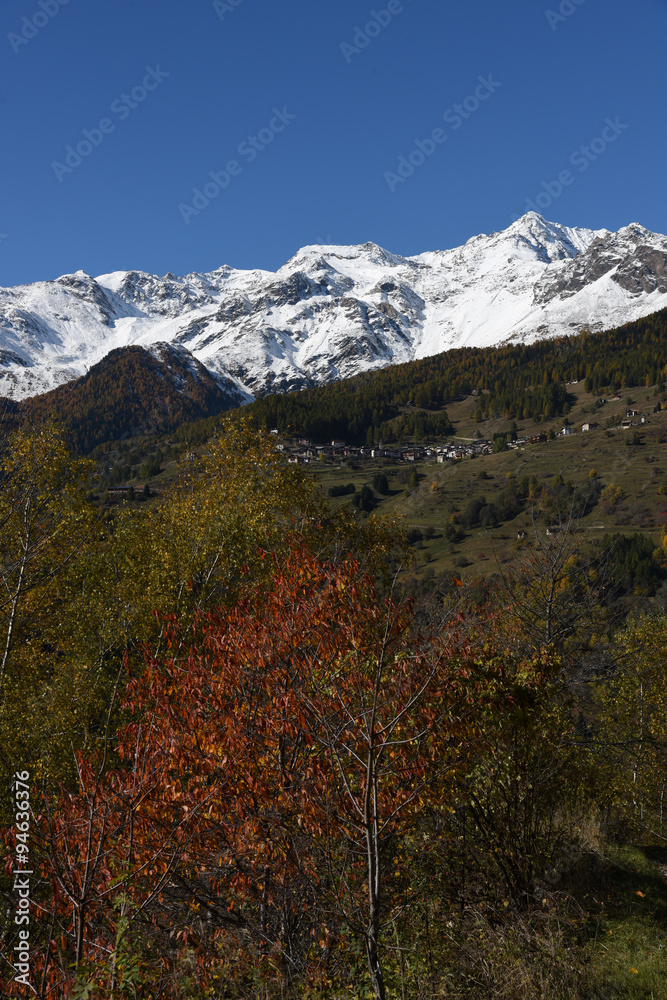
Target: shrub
341	491
381	484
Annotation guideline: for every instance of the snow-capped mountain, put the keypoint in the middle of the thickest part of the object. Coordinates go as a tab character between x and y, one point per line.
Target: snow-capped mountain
333	311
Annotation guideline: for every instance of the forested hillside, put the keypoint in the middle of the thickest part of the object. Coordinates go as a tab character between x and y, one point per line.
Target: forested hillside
515	381
257	769
133	393
130	392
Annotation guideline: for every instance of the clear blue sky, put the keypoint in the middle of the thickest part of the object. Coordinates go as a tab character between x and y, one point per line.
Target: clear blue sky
322	176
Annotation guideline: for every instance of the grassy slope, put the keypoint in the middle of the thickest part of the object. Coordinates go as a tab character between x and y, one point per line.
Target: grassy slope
628	952
638	471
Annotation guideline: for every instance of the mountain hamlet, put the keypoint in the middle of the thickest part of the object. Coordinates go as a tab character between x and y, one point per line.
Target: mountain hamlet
335	311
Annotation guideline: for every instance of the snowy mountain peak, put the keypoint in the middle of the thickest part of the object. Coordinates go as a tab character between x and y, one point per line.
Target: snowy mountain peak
333	311
560	240
637	232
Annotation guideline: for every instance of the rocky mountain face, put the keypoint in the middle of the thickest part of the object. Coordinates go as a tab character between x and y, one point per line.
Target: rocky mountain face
331	312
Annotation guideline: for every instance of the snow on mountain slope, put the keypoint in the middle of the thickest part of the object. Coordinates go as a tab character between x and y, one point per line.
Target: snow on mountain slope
331	312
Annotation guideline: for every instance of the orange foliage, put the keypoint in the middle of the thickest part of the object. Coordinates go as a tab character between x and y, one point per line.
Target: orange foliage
273	757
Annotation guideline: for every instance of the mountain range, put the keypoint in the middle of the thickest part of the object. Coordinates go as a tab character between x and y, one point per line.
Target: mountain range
333	311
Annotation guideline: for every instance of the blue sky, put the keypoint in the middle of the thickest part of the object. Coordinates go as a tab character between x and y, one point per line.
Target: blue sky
313	119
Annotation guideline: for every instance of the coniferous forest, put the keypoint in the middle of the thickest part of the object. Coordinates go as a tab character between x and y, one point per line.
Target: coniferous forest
516	381
131	393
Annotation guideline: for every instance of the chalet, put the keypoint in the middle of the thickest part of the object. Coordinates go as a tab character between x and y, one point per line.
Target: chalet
632	413
482	447
567	431
626	425
588	426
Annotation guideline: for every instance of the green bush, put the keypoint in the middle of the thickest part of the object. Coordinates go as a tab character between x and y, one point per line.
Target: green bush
341	491
381	484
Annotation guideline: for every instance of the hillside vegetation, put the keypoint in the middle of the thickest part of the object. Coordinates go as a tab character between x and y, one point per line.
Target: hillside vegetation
366	727
129	393
478	516
521	382
258	770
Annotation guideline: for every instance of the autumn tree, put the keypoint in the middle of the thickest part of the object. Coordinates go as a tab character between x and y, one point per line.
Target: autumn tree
559	593
388	719
45	523
275	759
523	781
631	729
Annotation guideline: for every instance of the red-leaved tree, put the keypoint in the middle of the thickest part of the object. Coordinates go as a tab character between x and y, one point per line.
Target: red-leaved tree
251	815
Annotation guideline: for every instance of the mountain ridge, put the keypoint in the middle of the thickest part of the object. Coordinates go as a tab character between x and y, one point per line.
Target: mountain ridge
331	312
